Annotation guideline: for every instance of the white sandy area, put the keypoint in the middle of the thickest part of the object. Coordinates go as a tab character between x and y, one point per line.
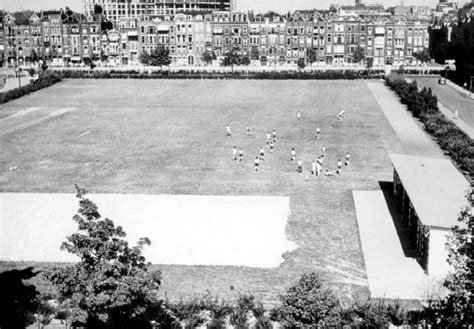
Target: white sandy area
188	230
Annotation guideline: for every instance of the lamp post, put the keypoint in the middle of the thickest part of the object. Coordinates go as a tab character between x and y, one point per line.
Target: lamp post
470	85
18	74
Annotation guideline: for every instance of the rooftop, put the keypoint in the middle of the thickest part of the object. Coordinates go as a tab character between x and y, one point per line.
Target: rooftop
435	187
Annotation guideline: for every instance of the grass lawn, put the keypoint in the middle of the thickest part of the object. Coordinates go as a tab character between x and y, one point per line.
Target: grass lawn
168	137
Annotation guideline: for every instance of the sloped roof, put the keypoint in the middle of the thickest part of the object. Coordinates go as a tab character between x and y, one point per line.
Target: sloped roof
435	187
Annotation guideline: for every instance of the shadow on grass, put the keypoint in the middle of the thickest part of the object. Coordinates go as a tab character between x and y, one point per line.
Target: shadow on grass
387	189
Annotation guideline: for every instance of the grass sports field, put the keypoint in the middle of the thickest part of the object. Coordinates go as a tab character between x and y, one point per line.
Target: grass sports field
168	137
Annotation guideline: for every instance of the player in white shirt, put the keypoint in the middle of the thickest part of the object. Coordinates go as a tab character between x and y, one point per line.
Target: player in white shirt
227	129
268	137
234	153
313	168
293	154
298	115
319	168
257	163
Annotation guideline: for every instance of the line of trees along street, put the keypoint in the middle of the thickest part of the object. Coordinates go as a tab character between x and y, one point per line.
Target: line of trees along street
111	287
424	105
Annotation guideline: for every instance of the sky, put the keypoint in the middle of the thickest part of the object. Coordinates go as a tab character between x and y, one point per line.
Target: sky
281	6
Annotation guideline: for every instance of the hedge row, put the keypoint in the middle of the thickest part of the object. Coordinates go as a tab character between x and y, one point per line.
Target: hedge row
273	75
46	80
424	105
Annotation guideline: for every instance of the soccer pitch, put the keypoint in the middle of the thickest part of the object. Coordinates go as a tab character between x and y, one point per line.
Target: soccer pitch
167	137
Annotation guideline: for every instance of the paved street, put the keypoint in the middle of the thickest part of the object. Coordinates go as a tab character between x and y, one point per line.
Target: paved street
450	97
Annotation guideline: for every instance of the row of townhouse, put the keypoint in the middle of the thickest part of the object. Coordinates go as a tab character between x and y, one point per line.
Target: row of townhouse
53	36
268	39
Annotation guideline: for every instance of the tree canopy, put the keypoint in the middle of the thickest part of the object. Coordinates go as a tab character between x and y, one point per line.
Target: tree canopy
110	285
359	54
208	56
231	58
308	303
157	57
312	55
423	56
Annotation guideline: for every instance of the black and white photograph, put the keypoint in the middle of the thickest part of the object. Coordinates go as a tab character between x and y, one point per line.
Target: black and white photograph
236	164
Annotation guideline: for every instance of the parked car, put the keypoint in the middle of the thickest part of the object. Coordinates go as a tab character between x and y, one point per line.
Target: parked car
442	80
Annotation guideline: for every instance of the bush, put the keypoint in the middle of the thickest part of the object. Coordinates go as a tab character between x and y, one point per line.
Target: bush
45	80
244	74
373	314
308	303
424	105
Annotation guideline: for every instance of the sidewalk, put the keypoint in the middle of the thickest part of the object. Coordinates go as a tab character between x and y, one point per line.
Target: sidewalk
457	121
413	139
390	273
12	83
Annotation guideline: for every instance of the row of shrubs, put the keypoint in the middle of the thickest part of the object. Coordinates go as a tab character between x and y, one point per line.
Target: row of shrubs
308	304
424	106
45	80
271	75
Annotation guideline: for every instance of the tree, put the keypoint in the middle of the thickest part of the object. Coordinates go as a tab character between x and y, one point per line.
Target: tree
245	60
254	53
359	54
98	9
145	58
208	57
157	57
301	63
456	310
369	63
18	300
110	285
231	58
308	304
103	56
312	55
423	56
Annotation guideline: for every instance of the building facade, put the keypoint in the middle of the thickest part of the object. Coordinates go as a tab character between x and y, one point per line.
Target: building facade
267	39
114	10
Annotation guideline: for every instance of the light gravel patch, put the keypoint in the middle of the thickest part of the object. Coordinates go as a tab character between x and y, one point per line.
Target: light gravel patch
21	113
37	121
185	230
